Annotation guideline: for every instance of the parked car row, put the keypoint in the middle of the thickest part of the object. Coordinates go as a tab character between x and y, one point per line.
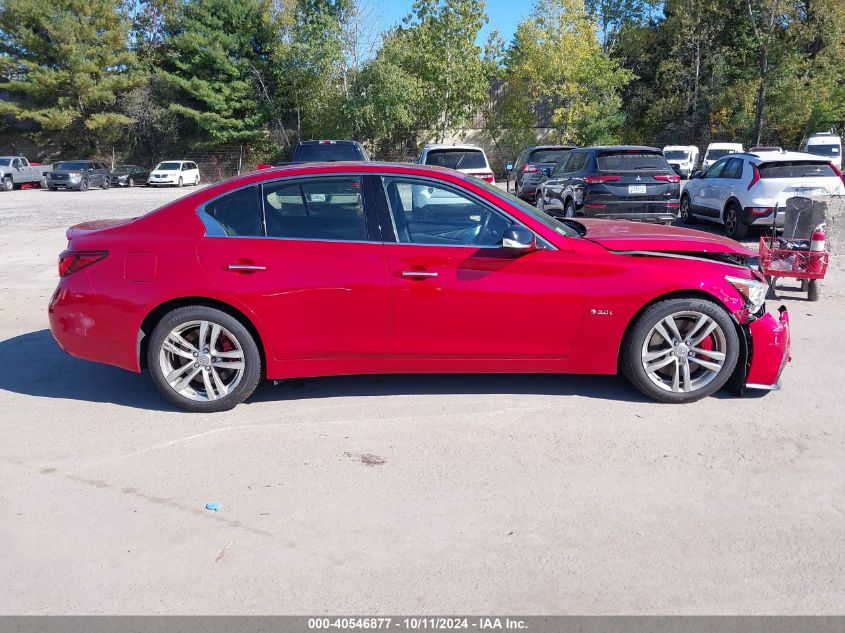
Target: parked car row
81	175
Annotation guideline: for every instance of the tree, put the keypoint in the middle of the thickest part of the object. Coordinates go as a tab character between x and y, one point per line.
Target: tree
66	66
207	73
556	57
440	51
612	15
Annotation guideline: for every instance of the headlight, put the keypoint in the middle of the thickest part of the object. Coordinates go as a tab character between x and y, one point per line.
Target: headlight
75	177
754	291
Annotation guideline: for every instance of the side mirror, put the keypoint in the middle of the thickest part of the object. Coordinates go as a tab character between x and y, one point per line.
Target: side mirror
519	238
697	174
509	166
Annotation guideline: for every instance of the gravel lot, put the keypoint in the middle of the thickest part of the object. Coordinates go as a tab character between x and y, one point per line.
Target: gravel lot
388	495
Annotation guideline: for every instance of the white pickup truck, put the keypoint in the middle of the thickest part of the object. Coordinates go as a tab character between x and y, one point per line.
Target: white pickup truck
16	171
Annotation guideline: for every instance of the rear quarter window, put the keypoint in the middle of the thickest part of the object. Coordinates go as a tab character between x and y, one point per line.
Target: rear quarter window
797	169
632	161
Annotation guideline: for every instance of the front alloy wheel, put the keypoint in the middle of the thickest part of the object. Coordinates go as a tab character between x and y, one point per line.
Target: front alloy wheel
681	350
203	359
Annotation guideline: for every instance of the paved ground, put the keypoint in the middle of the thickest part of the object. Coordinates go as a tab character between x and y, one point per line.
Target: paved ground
506	494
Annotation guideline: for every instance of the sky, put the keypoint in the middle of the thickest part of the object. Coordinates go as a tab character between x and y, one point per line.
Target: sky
503	14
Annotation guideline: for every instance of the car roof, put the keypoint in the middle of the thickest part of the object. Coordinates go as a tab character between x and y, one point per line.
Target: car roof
779	157
621	148
533	147
459	147
326	141
723	145
665	147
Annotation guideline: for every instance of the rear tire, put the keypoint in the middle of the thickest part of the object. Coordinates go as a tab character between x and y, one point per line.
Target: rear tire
686	213
199	380
735	228
814	289
8	184
106	183
674	374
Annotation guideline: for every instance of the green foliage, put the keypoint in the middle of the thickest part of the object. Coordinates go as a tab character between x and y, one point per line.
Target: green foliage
214	49
556	57
66	65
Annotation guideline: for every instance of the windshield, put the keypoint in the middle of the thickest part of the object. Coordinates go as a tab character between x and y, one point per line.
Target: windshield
529	210
548	155
632	160
716	154
676	154
326	152
123	169
797	169
5	162
168	167
72	166
457	158
823	150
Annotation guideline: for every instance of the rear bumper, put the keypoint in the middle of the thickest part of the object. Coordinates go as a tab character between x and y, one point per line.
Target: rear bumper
770	351
663	211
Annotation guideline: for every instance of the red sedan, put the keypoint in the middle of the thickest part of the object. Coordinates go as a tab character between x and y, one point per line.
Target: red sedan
367	268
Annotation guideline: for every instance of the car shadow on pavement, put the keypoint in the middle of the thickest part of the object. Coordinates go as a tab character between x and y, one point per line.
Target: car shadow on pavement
34	365
42	369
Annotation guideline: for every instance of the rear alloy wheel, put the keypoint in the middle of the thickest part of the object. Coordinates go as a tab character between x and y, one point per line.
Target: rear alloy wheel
8	184
680	350
196	181
686	214
735	228
203	359
570	209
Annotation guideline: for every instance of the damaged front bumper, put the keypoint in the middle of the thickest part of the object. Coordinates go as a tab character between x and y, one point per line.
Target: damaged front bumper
766	352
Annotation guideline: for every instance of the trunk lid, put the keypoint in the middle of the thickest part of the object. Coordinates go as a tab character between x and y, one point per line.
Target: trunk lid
87	228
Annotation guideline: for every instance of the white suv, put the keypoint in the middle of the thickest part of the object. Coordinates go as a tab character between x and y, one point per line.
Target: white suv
744	188
175	173
469	159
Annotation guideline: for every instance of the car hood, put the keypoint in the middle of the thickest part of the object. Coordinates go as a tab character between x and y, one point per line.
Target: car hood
639	236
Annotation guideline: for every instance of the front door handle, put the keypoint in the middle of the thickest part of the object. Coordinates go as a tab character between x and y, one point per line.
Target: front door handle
245	268
418	274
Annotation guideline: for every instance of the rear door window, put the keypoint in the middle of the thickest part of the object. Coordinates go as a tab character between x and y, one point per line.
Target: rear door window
457	158
797	169
733	169
628	160
316	209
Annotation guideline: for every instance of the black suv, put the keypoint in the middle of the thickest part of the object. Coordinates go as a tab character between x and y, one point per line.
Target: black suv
527	171
78	174
616	181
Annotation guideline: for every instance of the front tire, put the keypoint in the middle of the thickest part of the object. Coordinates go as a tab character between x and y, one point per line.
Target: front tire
131	182
570	209
106	184
203	359
180	183
735	228
680	350
539	202
83	186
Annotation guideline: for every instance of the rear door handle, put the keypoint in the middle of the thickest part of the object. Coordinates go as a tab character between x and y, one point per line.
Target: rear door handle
418	274
245	268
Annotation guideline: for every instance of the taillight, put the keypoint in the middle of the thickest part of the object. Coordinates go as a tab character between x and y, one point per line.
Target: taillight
673	205
755	176
72	261
528	168
597	180
760	210
668	177
488	178
838	172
